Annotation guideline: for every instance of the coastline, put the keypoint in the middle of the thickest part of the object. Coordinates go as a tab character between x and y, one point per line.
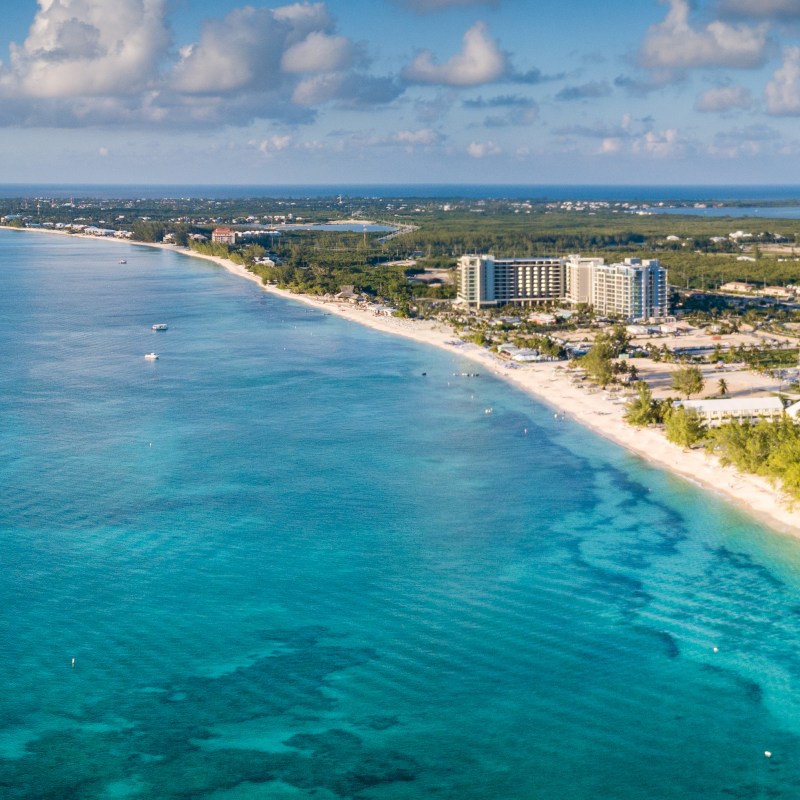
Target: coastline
548	383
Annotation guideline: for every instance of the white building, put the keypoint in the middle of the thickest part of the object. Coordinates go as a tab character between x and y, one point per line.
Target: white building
580	278
223	236
633	290
484	280
716	412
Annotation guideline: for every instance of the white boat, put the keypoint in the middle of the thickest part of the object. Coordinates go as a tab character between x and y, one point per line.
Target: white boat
122	261
151	356
160	326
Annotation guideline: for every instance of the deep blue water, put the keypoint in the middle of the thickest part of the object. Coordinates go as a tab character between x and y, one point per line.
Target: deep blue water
622	192
287	565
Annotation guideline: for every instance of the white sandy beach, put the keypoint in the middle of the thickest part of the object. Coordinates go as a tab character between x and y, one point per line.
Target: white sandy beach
550	383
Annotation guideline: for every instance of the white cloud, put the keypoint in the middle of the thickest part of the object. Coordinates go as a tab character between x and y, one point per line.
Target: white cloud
659	144
783	91
317	90
318	52
76	47
289	53
423	138
675	44
724	98
303	18
83	65
271	144
237	52
609	146
480	61
483	149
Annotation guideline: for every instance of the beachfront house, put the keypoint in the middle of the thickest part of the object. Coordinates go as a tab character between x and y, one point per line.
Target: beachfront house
349	293
716	412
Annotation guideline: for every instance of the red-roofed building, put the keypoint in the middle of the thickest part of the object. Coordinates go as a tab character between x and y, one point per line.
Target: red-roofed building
223	235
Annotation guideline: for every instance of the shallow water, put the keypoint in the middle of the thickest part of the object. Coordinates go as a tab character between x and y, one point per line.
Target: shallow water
287	565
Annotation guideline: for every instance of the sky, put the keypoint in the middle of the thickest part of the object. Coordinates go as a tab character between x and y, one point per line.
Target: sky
400	91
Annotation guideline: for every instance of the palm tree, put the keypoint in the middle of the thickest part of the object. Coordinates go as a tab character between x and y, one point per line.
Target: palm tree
723	386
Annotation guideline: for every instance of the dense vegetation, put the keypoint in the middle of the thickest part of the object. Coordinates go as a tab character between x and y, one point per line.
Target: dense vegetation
698	251
771	449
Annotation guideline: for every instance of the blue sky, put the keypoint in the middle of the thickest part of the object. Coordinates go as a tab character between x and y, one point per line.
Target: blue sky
414	91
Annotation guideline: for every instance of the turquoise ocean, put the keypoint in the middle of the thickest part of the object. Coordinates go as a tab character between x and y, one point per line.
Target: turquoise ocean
287	564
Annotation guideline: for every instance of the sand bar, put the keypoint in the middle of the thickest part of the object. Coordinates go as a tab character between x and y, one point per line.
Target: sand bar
550	383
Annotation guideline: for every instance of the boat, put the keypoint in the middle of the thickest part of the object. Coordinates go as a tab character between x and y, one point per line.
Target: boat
122	261
160	326
151	356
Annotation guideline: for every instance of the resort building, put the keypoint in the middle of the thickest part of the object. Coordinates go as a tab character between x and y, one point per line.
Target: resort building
716	412
633	290
580	278
484	280
223	236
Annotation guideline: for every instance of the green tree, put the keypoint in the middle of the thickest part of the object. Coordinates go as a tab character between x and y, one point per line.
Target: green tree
723	386
598	361
783	463
683	427
618	339
642	409
687	381
147	231
252	252
743	445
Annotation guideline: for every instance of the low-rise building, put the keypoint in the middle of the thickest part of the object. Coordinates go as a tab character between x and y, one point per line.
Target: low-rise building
736	286
781	292
716	412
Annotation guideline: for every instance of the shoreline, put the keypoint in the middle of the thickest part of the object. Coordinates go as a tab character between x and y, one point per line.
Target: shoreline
548	383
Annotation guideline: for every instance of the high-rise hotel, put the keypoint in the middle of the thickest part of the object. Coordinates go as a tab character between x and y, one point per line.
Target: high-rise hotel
635	289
